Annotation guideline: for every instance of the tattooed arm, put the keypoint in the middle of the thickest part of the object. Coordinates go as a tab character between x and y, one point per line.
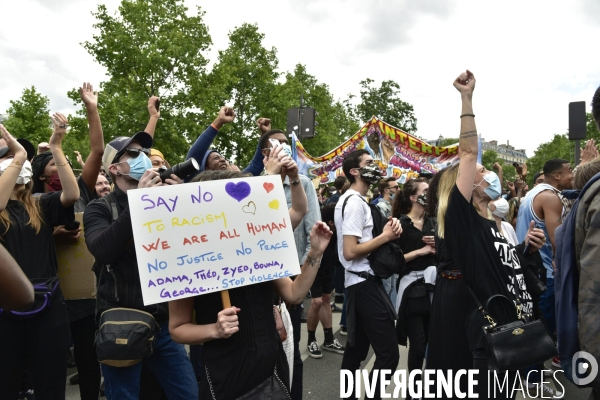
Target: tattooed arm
468	146
294	291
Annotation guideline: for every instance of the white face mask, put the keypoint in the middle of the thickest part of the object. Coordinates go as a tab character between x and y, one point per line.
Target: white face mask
25	173
502	207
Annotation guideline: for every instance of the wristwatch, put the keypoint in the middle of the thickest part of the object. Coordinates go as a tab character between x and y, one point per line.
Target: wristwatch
295	183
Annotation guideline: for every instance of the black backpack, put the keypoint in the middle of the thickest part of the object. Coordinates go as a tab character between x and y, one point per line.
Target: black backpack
388	258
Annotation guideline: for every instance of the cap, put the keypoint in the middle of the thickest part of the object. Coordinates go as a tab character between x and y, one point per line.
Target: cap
537	175
115	148
154	152
29	148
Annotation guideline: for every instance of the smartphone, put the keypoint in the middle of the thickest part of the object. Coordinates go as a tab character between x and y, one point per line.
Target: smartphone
74	226
157	104
528	247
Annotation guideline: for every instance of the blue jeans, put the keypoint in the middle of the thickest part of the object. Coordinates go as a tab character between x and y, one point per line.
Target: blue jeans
169	363
547	306
389	285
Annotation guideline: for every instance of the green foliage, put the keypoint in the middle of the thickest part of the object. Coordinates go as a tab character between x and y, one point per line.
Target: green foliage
559	147
384	102
29	117
244	78
449	141
335	123
489	158
150	47
592	131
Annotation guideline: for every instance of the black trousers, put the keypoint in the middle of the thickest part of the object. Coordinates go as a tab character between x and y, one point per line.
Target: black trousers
295	314
417	329
43	343
83	333
374	327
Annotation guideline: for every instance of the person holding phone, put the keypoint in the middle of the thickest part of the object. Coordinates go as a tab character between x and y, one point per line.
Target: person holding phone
416	281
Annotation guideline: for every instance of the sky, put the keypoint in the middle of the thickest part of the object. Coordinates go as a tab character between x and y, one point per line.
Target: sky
530	58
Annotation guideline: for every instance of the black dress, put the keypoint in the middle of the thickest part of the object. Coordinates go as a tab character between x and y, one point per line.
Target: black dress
238	364
474	247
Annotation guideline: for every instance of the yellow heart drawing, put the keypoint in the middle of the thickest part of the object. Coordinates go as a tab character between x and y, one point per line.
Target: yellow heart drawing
250	208
274	205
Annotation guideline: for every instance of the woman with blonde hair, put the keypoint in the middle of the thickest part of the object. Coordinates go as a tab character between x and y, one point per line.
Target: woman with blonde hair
472	255
37	337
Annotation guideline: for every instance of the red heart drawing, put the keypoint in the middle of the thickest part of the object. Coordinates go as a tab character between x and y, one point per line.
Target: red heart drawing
268	186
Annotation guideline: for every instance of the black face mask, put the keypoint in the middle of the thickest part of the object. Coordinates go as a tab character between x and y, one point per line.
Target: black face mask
370	173
422	199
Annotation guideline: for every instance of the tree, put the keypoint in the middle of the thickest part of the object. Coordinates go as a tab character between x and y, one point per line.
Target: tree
244	78
489	158
335	123
559	147
150	47
384	102
29	117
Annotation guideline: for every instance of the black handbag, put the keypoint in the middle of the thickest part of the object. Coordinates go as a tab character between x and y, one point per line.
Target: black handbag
271	388
418	301
517	344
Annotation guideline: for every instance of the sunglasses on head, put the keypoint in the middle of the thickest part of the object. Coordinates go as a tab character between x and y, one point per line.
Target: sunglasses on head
133	152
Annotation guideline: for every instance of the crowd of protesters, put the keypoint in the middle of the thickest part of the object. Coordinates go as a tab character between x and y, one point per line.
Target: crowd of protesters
465	236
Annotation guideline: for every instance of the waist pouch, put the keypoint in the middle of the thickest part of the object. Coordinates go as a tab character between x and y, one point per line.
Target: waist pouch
125	337
45	292
417	299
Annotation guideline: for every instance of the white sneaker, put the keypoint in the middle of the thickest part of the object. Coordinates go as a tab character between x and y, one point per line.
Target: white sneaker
547	391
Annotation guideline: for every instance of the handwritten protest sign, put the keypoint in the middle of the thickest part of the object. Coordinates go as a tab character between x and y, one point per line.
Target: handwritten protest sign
202	237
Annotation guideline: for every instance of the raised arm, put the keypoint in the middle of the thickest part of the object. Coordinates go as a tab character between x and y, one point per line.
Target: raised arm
8	179
70	190
91	168
256	165
154	111
467	144
294	291
202	144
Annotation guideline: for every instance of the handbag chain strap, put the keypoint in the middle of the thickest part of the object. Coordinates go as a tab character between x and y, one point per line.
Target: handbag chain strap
212	391
487	316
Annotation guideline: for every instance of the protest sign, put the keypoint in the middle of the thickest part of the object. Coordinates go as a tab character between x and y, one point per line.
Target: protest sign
202	237
75	262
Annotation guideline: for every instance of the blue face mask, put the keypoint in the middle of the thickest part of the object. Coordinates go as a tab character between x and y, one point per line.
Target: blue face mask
138	165
392	195
495	189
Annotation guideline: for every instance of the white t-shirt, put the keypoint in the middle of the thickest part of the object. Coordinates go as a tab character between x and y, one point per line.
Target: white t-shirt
509	233
357	221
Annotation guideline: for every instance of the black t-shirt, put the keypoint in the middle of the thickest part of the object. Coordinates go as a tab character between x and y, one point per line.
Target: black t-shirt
412	239
36	253
474	246
85	196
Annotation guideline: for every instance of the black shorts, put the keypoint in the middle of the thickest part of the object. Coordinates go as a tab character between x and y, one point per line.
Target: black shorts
323	282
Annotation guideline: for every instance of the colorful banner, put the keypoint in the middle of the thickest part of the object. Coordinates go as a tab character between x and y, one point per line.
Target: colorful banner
204	237
398	153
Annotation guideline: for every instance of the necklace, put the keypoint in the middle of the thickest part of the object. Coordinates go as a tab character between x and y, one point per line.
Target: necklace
415	219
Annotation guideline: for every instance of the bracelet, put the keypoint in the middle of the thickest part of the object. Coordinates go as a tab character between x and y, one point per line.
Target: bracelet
61	165
468	115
